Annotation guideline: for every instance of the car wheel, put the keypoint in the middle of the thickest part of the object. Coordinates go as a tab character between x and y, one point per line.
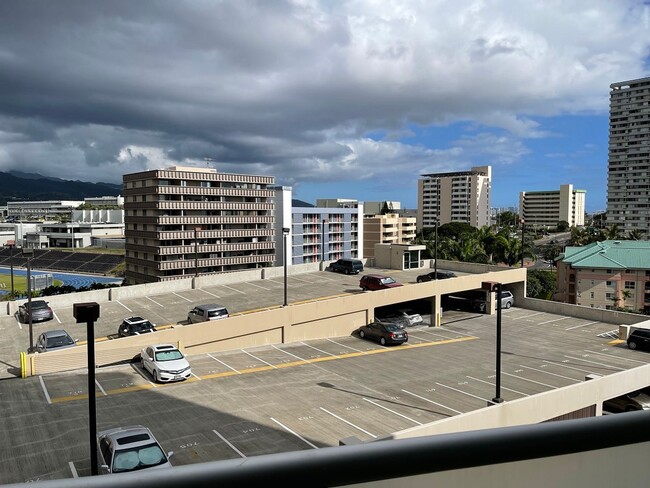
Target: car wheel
364	288
382	341
508	304
155	376
420	280
362	334
631	345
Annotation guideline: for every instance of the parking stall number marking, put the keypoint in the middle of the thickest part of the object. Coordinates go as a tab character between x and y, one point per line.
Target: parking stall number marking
248	431
188	445
308	417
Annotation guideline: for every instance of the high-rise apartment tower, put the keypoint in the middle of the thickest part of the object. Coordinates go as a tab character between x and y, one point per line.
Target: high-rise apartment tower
628	178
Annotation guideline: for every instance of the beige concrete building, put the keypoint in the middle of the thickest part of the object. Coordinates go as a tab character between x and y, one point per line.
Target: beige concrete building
547	208
186	221
462	196
628	178
386	229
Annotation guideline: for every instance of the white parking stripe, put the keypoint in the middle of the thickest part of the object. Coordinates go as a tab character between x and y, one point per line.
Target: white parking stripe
300	279
595	362
20	325
73	469
180	296
234	289
100	388
226	365
228	442
392	411
549	373
210	293
529	380
294	433
431	401
258	359
345	345
198	378
258	286
126	306
531	315
47	395
582	325
290	354
319	350
56	316
463	392
617	357
502	387
159	304
349	423
554	320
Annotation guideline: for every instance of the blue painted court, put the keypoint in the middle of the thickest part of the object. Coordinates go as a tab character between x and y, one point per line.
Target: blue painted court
72	279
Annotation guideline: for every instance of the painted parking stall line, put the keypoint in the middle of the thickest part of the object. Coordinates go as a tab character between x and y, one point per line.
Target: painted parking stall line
348	423
181	296
259	359
611	356
582	325
428	400
502	387
56	316
549	373
241	454
226	365
461	391
210	293
294	433
125	306
291	354
258	286
234	289
47	395
553	321
154	301
100	388
392	411
529	380
73	470
602	365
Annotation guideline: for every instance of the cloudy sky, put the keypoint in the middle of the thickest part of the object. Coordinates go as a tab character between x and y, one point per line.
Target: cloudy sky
347	99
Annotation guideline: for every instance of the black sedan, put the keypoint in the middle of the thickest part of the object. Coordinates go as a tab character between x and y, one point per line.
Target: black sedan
384	332
441	275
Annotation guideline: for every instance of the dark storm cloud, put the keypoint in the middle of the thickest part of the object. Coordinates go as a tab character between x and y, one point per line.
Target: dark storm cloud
292	89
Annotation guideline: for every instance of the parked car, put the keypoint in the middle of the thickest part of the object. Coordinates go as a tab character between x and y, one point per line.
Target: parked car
39	310
410	315
507	301
206	312
399	320
377	282
384	332
637	400
135	326
54	340
440	275
124	449
165	362
639	339
347	266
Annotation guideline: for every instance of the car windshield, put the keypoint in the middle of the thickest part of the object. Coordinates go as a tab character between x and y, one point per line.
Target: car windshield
392	328
58	341
387	281
143	327
138	458
38	304
169	355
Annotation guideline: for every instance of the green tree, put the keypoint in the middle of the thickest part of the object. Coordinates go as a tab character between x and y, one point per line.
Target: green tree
613	232
635	235
508	219
540	283
562	226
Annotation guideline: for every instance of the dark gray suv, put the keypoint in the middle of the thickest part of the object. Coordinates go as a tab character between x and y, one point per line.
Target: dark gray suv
347	266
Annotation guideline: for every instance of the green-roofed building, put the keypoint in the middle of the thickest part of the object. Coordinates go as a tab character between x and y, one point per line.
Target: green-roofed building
607	274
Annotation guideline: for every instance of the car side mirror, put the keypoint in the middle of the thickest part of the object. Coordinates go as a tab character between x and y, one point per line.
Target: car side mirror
105	467
170	454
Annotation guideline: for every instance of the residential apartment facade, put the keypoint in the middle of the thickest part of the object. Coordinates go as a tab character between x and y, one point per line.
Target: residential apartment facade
387	229
547	208
608	274
320	233
462	196
628	178
187	221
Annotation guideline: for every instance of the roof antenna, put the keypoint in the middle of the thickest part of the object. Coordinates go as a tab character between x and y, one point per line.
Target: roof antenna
208	161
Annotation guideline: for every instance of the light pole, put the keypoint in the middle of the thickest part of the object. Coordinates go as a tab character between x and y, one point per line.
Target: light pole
491	286
28	252
89	312
523	225
285	235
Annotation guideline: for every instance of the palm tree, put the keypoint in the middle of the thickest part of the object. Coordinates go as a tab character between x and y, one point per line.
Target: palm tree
635	235
613	232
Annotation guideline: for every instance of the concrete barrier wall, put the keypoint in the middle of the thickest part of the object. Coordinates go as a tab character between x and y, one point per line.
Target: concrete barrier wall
588	313
148	289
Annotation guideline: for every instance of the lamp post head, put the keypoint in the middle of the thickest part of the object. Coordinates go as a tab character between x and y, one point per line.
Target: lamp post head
285	230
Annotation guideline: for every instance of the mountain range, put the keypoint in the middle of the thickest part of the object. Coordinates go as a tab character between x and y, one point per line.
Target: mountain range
16	186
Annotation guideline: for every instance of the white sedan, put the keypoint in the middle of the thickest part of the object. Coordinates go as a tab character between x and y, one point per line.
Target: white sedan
165	362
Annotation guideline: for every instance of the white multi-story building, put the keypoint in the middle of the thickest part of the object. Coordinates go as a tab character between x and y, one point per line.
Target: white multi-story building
547	208
628	178
462	196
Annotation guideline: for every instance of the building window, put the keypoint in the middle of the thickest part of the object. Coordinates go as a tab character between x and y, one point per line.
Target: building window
611	284
610	296
629	285
591	294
